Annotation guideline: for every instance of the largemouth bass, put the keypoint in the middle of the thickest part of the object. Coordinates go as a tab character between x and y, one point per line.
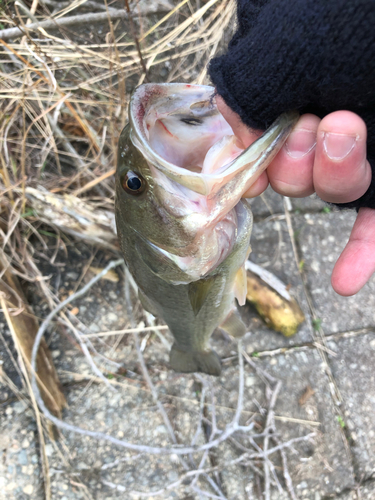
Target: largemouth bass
183	228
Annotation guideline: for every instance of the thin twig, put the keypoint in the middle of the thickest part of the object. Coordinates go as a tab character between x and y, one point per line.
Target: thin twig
82	19
87	354
111	333
269	424
136	41
284	460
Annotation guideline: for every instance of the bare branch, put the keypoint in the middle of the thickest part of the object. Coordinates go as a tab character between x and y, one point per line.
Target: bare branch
78	19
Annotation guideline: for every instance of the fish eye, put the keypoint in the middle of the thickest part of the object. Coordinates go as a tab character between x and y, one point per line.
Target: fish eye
192	121
133	183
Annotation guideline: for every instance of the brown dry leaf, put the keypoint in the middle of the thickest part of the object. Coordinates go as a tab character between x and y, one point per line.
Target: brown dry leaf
24	327
71	127
306	395
111	275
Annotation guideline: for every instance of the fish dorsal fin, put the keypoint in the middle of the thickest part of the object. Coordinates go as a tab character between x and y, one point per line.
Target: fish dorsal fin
240	285
198	291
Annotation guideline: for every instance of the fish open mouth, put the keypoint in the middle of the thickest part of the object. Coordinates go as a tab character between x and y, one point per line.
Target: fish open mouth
183	127
200	169
179	129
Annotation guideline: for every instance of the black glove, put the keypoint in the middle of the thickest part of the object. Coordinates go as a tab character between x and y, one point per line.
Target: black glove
315	56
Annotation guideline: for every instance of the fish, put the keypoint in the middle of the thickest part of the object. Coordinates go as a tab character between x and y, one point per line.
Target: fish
183	228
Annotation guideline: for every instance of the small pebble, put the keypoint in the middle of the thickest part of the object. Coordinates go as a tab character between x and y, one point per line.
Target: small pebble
28	489
10	486
82	466
250	381
172	475
100	415
72	275
19	407
22	458
111	317
25	443
49	450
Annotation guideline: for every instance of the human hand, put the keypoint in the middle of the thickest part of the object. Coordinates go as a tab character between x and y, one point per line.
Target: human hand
328	157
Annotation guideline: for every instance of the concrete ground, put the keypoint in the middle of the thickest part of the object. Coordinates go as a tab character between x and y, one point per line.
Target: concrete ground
326	370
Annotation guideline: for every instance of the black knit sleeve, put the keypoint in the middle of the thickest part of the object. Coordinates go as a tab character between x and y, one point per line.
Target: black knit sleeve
311	55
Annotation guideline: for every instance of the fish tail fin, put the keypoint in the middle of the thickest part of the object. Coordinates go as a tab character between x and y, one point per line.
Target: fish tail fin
195	361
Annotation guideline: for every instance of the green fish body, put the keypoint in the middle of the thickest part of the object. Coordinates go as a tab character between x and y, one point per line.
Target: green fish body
183	228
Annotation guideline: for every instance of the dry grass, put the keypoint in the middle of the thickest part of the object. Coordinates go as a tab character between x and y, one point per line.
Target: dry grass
64	94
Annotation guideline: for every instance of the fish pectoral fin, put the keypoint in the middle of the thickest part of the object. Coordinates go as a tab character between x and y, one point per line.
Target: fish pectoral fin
240	286
233	324
195	361
198	291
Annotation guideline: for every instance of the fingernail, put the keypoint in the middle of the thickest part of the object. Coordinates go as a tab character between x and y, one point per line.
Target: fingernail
300	143
338	146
